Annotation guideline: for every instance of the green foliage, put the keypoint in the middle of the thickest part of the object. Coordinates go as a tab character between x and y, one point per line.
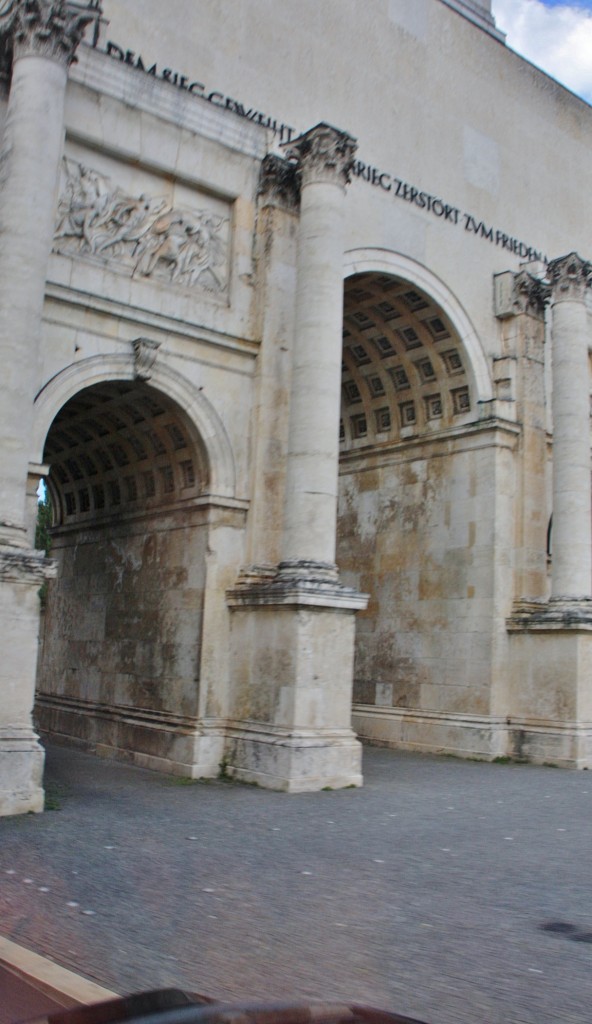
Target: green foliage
44	517
54	795
42	537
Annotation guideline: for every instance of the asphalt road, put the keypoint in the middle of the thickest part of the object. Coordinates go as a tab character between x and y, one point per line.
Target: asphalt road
446	890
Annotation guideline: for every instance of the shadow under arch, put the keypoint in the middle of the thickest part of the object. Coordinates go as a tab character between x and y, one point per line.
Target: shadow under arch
386	261
104	369
415	515
140	470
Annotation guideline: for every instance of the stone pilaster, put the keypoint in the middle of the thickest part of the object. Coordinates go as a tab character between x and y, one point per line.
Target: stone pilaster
38	39
279	184
278	199
572	539
520	302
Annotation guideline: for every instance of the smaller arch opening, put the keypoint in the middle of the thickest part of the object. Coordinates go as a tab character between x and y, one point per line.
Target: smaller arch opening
404	370
122	632
118	448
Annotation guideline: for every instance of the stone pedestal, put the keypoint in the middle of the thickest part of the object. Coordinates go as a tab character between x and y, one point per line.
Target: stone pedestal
550	667
292	645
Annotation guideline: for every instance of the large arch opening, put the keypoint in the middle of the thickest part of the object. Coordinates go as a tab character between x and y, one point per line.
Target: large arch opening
121	639
415	523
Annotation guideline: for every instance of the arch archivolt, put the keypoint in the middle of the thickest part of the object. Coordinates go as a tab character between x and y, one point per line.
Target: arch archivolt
385	261
106	369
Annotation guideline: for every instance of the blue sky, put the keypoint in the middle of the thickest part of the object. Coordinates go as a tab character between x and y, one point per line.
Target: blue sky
556	35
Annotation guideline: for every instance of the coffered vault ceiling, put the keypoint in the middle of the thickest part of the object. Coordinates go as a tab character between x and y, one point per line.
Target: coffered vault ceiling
121	448
404	372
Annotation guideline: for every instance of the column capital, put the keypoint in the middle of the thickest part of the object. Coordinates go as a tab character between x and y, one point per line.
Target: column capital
279	183
530	294
521	293
323	154
570	276
46	28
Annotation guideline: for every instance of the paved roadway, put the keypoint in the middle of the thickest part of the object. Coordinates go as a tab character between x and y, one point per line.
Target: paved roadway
450	891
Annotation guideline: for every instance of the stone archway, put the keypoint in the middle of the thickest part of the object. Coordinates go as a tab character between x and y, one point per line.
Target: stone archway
416	467
396	265
104	368
120	669
405	370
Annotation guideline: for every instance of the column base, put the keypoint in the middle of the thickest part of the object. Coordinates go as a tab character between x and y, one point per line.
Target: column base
21	772
13	537
296	763
298	582
556	615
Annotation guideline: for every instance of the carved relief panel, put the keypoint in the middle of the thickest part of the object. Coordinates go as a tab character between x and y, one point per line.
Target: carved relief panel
142	225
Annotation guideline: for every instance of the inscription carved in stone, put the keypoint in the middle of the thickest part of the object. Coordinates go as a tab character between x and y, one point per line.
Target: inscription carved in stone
144	234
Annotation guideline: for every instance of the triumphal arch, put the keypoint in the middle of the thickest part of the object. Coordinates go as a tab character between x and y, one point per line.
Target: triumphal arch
295	329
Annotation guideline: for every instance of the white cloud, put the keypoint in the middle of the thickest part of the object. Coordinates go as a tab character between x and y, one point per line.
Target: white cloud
557	39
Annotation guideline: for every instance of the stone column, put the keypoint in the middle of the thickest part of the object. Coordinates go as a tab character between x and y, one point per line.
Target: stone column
39	38
571	539
324	156
292	631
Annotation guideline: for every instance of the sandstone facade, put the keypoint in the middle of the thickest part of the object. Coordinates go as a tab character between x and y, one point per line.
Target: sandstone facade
295	325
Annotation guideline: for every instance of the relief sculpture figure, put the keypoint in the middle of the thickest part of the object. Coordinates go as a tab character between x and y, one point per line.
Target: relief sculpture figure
83	205
185	242
129	220
145	234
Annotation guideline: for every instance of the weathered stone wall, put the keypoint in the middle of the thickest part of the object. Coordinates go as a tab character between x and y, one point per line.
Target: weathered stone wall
416	532
124	617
